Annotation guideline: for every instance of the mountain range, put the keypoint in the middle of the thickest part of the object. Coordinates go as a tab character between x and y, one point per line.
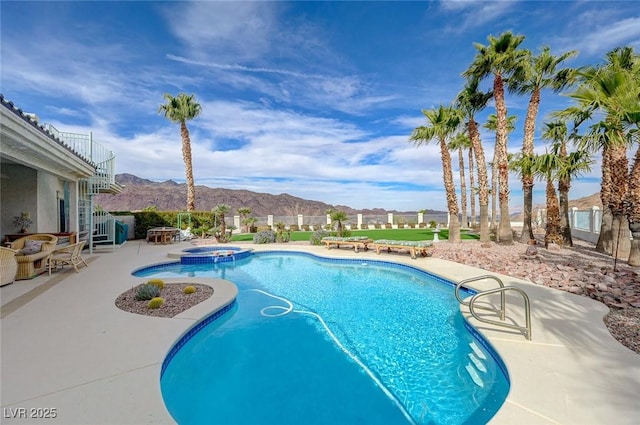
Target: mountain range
140	193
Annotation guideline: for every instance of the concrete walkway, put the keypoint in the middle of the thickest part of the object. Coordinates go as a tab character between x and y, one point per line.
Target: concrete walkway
67	348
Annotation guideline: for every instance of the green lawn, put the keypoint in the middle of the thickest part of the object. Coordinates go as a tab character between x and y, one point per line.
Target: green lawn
394	234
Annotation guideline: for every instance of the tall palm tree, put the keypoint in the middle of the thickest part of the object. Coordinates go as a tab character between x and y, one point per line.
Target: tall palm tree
609	92
535	74
461	142
180	109
442	123
492	124
470	101
500	58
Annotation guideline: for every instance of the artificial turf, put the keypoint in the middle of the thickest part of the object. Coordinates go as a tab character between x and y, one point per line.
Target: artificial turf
393	234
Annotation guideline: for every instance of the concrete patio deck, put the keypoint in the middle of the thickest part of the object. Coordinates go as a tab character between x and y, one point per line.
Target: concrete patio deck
66	346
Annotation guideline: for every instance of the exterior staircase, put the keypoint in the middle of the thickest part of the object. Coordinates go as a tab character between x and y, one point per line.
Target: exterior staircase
95	226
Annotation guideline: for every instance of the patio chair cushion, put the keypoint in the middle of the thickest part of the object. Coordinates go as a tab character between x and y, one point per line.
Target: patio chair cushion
31	247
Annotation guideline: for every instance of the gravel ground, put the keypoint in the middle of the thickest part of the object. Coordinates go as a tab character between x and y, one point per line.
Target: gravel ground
175	301
580	270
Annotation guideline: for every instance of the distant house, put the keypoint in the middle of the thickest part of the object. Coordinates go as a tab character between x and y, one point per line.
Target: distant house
50	177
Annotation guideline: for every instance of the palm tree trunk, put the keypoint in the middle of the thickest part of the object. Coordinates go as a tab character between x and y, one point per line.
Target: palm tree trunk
527	230
527	178
621	236
188	165
472	193
452	201
483	182
619	184
463	189
552	233
565	228
494	192
505	233
633	210
605	238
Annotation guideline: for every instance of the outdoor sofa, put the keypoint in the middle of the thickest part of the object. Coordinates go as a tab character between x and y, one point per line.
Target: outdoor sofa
414	248
33	251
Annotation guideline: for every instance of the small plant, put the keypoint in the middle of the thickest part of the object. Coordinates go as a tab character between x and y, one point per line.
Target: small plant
433	224
265	236
147	292
22	222
317	236
156	302
189	289
157	282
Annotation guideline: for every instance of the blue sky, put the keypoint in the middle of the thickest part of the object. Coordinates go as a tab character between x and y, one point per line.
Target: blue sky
314	99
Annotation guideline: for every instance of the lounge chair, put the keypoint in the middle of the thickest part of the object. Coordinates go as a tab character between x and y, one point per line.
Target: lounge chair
70	255
33	251
356	242
423	248
8	266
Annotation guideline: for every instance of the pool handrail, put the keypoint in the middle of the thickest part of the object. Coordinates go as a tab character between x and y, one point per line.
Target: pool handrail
502	291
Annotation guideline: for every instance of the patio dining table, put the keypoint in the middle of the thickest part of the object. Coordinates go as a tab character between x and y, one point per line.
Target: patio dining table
162	235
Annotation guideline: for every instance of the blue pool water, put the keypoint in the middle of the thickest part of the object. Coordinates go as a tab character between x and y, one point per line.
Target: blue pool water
314	341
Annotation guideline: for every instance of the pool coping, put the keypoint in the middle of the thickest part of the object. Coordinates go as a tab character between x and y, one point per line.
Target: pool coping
72	343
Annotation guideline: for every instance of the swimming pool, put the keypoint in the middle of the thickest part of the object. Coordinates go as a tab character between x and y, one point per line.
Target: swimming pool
313	340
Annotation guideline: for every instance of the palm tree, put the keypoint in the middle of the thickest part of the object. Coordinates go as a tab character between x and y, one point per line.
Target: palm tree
220	230
460	142
244	214
492	124
500	58
609	92
338	217
535	74
546	166
180	109
443	122
571	165
470	101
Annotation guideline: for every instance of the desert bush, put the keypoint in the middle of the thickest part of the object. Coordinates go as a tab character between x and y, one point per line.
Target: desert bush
265	236
189	289
147	292
317	236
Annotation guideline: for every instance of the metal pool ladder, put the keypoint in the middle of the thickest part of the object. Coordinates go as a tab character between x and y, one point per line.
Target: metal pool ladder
503	299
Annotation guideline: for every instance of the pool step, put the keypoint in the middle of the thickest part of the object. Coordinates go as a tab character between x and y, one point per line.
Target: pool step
476	365
477	351
479	364
474	375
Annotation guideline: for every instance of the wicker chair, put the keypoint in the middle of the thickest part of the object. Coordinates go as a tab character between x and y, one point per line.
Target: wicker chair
70	255
8	266
31	265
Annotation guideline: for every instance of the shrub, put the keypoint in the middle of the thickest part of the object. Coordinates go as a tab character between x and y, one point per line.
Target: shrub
147	292
265	236
433	224
156	302
317	236
157	282
189	289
